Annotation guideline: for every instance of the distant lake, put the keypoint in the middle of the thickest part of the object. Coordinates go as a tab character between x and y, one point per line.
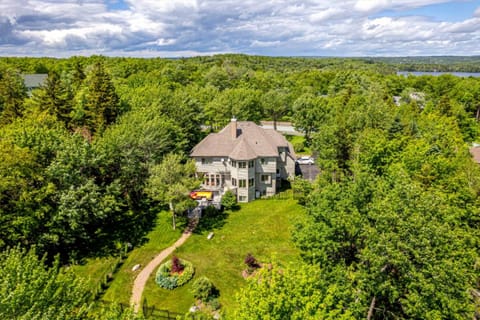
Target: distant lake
434	73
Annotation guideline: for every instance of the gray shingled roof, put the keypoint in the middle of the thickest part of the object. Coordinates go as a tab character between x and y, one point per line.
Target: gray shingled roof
34	80
242	151
251	142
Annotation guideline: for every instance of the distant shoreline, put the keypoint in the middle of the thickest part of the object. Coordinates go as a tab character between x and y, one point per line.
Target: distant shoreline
439	73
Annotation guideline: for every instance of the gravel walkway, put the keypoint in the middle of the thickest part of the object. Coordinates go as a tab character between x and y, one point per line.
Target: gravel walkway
142	277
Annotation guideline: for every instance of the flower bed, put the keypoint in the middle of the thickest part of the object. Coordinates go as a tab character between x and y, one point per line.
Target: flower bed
167	279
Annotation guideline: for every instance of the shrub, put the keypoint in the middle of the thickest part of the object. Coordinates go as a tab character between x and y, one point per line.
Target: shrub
164	278
298	146
229	200
302	189
210	212
177	267
169	282
251	263
186	274
202	288
214	303
169	279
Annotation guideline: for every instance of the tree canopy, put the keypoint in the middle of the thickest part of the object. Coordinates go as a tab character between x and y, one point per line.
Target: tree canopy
393	223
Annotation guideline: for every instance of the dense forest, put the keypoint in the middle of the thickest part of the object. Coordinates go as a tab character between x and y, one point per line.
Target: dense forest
393	225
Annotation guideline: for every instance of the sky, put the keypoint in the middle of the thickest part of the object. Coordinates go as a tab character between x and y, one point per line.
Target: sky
183	28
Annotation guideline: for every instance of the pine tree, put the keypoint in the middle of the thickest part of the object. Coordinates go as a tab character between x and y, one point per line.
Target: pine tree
55	97
12	94
102	102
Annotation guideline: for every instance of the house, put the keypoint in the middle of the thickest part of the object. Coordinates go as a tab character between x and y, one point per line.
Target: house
34	81
245	158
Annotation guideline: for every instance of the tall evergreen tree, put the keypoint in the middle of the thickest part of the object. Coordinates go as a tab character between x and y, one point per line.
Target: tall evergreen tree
101	104
55	97
12	95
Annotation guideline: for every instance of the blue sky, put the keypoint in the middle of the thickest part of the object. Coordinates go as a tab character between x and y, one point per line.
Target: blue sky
172	28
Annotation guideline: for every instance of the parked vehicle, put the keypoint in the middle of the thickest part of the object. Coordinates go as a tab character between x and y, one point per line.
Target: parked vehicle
305	160
201	194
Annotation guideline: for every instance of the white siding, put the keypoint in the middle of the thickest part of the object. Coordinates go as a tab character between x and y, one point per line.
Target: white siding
290	168
269	165
211	165
215	165
266	188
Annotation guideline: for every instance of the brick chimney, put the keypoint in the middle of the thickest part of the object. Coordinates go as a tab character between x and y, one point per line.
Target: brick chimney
233	126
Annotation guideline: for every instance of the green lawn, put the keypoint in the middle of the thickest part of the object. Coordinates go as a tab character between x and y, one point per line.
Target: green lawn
158	239
262	227
95	270
299	140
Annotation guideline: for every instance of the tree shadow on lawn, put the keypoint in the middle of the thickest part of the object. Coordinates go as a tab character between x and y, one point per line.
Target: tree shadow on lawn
122	234
212	218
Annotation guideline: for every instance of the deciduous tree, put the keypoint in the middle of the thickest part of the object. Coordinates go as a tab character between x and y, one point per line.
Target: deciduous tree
31	290
171	182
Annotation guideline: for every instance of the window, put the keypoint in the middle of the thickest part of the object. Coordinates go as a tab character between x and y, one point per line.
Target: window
251	182
242	183
250	164
242	164
206	161
234	182
265	178
213	180
234	164
263	161
242	198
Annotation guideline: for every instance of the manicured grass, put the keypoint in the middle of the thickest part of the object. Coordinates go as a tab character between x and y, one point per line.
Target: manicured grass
159	238
262	227
294	140
95	270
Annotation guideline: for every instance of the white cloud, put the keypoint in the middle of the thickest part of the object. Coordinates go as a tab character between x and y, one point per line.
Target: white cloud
139	23
477	12
313	27
371	5
327	14
59	37
164	42
162	6
264	44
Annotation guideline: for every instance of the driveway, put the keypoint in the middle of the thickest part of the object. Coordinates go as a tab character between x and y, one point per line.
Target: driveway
307	171
282	126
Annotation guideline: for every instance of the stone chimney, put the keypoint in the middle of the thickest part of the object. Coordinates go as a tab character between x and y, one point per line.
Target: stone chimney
233	126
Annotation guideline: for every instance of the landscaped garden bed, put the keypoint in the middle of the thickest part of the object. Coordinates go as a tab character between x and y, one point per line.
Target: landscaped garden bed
174	273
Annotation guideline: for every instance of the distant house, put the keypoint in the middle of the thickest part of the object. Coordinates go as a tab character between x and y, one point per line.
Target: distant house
418	97
245	158
34	81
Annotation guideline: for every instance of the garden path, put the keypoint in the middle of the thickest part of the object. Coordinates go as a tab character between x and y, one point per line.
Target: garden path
142	277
